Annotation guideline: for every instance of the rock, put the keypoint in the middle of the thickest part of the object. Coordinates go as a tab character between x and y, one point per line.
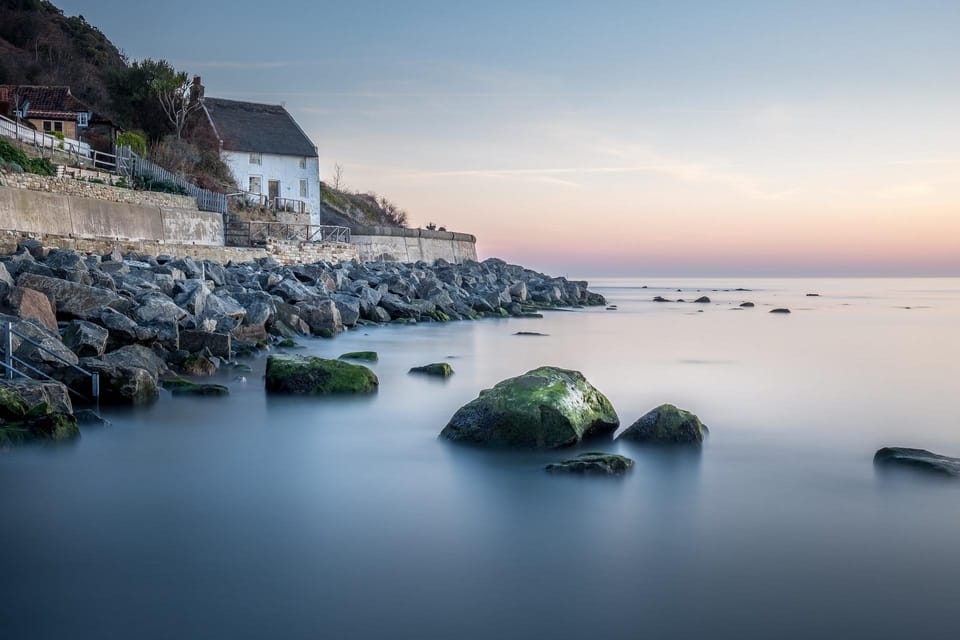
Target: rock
127	375
198	364
368	356
919	459
218	344
70	298
747	305
813	295
85	338
317	376
31	304
41	347
531	333
593	463
666	425
660	299
348	306
184	387
33	392
321	316
547	408
156	307
702	300
439	369
780	311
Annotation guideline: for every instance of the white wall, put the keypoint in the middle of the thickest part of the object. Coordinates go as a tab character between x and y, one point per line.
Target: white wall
286	169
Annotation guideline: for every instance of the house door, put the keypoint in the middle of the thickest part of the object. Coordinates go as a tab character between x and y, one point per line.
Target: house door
273	189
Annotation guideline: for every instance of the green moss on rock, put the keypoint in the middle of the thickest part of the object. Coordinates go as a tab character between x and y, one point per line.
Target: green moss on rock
367	356
317	376
593	463
546	408
12	406
667	425
184	387
439	369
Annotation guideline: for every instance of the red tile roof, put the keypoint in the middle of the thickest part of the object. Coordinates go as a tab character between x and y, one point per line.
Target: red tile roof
52	103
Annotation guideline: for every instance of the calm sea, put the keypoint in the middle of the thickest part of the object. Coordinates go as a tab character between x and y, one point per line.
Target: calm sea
257	517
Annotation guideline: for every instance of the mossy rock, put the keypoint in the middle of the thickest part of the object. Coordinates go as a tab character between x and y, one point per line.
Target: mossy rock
317	376
327	333
545	408
666	425
54	427
439	369
288	343
366	356
595	463
12	406
184	387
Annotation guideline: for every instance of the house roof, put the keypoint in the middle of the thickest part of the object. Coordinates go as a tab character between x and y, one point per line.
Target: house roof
52	103
258	128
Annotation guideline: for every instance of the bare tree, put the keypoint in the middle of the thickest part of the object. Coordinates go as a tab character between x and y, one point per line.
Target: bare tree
337	176
177	95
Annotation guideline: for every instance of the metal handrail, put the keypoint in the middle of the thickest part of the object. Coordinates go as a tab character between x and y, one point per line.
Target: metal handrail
12	371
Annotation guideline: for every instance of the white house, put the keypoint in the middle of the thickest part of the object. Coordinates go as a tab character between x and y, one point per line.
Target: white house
268	152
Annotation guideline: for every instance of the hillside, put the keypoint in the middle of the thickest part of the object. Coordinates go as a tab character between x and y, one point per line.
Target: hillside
40	45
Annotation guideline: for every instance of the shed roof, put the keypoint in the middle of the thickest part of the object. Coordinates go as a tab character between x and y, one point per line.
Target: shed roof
258	128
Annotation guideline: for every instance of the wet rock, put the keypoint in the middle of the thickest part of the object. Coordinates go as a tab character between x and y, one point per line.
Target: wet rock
437	369
198	364
918	459
747	305
184	387
666	425
547	408
660	299
780	310
367	356
702	300
317	376
217	344
593	463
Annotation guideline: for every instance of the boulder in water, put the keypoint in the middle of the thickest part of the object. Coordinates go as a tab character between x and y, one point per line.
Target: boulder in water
547	408
317	376
438	369
666	425
919	459
593	463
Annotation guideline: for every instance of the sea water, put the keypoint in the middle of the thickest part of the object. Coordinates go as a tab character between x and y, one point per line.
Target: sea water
258	516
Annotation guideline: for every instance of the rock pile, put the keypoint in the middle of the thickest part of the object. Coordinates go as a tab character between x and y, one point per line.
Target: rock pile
132	317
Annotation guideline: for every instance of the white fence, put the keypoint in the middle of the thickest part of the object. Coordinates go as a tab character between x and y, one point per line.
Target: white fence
141	167
17	131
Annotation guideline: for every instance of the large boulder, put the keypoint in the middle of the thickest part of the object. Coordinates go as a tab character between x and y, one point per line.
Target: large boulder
322	316
317	376
128	375
71	299
547	408
218	344
919	459
666	425
33	305
85	338
31	411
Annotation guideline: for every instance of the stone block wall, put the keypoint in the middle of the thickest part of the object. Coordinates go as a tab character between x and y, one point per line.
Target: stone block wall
308	252
84	189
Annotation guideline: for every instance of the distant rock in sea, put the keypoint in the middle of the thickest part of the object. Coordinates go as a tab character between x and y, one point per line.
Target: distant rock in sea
594	463
666	424
919	459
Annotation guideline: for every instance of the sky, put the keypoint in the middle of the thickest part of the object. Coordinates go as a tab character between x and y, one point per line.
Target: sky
636	138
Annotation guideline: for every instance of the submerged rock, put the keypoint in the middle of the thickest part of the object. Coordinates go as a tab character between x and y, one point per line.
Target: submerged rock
747	305
919	459
547	408
317	376
593	463
667	425
366	356
439	369
780	310
702	299
184	387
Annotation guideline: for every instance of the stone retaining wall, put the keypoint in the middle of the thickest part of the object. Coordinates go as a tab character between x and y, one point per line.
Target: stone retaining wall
308	252
84	189
410	245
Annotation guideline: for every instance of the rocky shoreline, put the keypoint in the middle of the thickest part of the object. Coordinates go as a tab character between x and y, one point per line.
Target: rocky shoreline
136	318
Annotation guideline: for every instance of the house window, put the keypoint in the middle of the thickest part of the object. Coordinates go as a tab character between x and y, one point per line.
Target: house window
47	126
83	119
304	189
256	158
303	163
256	185
58	126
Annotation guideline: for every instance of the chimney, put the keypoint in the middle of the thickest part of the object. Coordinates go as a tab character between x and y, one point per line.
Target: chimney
196	81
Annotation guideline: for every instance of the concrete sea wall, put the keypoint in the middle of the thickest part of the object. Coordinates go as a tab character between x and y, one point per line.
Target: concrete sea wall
410	245
54	214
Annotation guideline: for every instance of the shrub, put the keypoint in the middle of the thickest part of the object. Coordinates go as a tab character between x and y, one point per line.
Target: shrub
10	153
134	140
40	166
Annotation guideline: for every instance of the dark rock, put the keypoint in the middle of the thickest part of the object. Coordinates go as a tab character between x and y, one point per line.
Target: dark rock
85	338
660	299
531	333
780	311
198	364
218	344
919	459
30	304
593	463
317	376
546	408
70	298
747	305
184	387
702	300
666	425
